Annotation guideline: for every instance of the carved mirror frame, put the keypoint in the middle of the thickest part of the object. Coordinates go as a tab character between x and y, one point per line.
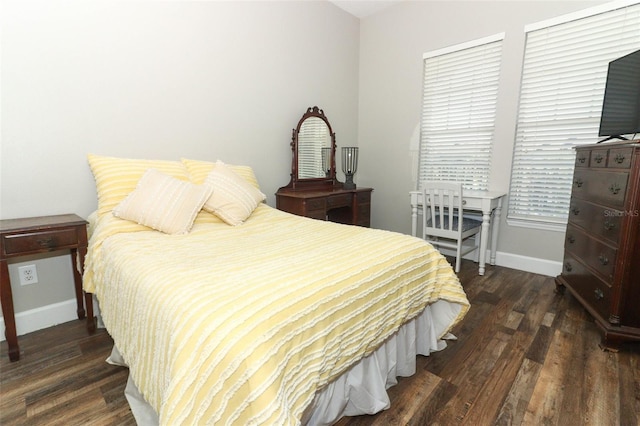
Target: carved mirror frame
313	183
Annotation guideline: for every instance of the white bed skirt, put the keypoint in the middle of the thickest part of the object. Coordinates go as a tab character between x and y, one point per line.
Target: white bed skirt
363	388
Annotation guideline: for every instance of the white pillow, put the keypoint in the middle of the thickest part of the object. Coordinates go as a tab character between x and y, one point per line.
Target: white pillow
163	203
233	199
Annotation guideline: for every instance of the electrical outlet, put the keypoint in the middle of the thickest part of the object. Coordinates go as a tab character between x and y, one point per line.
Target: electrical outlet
28	274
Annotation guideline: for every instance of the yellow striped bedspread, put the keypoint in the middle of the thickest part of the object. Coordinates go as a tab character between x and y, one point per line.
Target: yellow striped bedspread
242	325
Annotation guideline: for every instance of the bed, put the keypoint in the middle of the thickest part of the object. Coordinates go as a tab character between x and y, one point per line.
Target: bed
278	319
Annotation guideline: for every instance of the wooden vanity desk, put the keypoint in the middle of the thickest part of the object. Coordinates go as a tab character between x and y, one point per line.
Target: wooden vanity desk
350	206
313	190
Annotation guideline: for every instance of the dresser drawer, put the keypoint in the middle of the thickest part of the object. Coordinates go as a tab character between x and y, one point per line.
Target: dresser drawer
582	158
608	188
620	158
599	158
40	241
340	200
599	221
595	293
599	256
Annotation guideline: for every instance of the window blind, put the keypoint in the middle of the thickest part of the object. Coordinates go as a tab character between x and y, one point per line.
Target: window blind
563	78
458	112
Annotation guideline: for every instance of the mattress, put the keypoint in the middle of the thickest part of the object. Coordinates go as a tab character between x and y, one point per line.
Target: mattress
250	324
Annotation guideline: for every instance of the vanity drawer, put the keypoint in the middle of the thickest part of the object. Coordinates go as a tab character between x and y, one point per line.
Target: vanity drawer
340	200
603	187
620	158
585	285
40	241
315	204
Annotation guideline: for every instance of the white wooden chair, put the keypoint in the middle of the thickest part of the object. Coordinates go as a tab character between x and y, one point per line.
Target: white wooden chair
443	221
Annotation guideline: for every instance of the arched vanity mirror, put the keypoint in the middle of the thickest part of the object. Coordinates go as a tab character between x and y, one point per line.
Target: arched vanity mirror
313	144
313	190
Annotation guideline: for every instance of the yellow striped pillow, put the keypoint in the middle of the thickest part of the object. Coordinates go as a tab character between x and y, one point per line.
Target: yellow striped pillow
233	199
117	177
163	203
198	171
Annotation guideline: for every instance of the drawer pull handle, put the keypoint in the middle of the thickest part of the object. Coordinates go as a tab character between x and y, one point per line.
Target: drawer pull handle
619	158
614	188
582	159
571	239
599	158
608	225
603	260
578	182
575	211
568	267
599	294
46	242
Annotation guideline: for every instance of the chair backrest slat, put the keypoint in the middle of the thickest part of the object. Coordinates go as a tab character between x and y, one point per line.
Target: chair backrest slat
442	208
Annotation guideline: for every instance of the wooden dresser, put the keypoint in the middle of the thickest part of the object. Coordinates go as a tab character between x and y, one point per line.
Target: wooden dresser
350	206
602	244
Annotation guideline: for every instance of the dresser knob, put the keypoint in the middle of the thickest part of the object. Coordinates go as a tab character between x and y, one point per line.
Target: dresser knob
608	225
603	260
599	294
598	159
582	159
568	266
575	211
619	158
571	239
578	182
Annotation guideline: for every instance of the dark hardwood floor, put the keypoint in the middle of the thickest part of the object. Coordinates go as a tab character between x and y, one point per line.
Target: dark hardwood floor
524	356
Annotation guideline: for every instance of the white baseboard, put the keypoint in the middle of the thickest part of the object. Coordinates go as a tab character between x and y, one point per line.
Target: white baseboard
43	317
550	268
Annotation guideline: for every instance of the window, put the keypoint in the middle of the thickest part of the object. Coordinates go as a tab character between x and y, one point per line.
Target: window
458	111
563	78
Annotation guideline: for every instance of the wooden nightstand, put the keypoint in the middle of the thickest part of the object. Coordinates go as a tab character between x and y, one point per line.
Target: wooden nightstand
20	237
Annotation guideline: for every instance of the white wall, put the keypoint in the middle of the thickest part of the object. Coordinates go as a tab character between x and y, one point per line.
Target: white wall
392	43
161	80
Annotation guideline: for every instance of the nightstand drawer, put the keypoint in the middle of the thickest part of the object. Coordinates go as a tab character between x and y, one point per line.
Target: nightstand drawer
40	241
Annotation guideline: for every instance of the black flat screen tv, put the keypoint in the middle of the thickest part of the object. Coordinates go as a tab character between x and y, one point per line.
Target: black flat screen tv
621	104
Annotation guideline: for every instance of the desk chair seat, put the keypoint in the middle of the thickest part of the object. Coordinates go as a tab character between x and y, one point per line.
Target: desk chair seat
443	208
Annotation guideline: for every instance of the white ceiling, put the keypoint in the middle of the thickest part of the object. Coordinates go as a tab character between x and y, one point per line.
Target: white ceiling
363	8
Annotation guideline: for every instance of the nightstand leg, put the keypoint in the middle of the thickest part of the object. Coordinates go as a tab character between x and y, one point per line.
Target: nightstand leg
91	321
6	298
77	279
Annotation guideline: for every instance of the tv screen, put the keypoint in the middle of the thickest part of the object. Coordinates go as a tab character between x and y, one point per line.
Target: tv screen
621	105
